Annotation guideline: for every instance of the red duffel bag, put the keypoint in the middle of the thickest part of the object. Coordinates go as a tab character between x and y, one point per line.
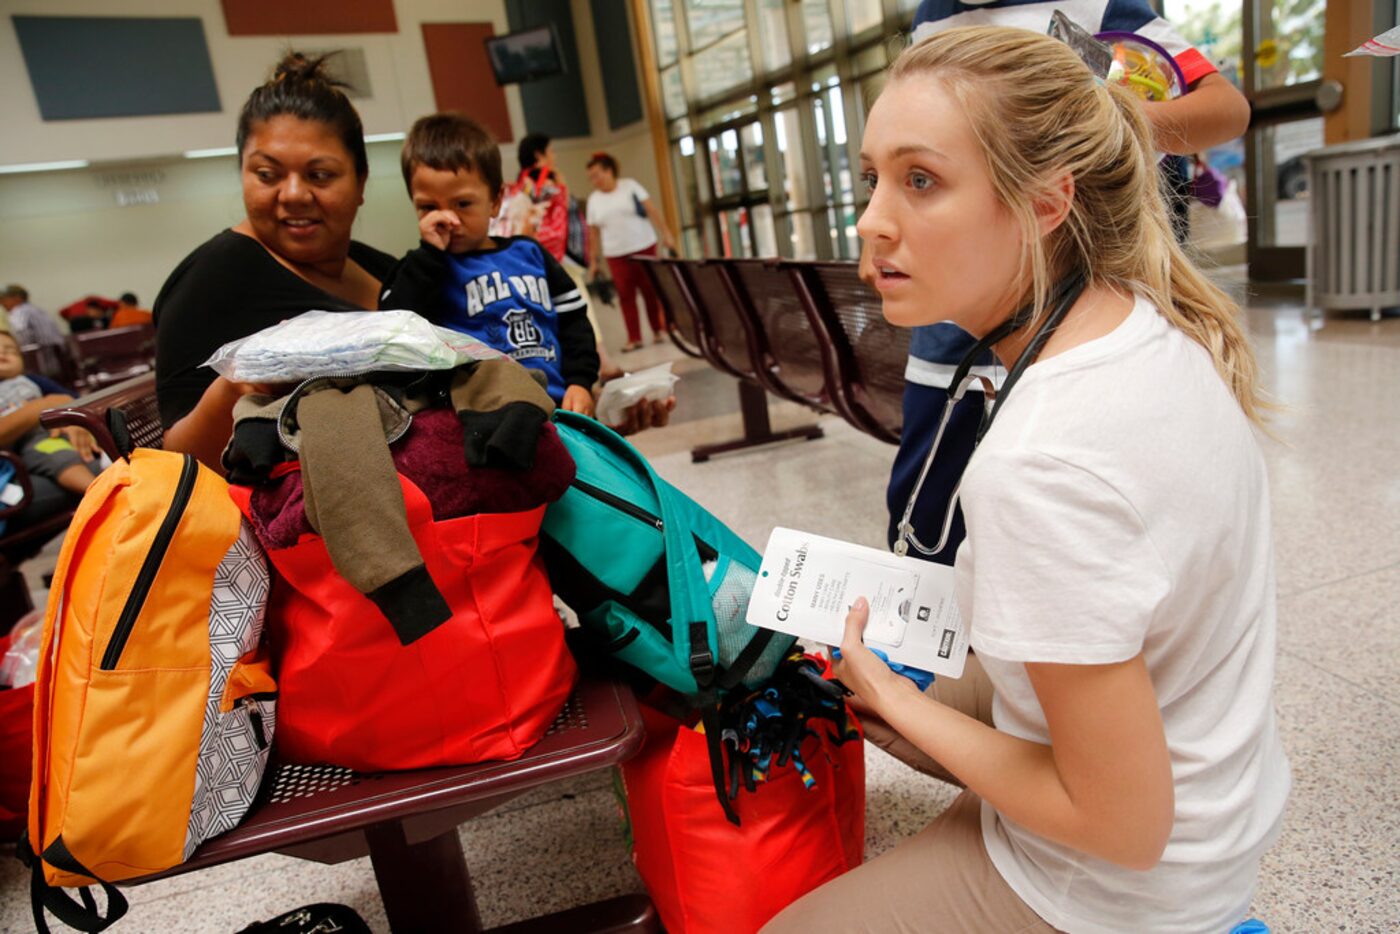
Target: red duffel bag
484	685
706	875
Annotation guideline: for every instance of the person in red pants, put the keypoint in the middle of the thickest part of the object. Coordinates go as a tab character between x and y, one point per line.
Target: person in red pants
623	223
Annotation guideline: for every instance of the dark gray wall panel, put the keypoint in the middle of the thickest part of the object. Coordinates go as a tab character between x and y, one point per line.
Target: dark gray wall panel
614	36
115	66
555	106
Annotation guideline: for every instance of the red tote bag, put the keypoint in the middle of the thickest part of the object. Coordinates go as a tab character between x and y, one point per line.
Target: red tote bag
16	749
485	685
706	875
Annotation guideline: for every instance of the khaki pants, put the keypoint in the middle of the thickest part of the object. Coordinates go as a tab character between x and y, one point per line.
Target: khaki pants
939	880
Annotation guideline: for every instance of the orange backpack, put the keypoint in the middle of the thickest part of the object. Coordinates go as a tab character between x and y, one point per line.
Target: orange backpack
154	702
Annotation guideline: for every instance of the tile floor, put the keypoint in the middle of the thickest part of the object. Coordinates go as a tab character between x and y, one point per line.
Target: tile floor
1336	521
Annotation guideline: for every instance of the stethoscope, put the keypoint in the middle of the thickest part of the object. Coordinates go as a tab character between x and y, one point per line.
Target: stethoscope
1062	300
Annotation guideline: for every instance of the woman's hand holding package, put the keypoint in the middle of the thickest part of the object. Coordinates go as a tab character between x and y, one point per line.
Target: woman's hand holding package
862	670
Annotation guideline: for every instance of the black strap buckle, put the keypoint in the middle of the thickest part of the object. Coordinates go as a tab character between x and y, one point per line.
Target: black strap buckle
702	662
702	666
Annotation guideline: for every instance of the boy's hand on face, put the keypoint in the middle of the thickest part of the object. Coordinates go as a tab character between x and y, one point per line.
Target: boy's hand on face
577	399
436	228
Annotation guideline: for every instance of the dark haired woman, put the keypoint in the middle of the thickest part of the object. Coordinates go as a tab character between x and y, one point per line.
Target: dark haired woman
623	223
301	154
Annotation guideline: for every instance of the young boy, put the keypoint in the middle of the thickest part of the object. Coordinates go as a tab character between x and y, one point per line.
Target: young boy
23	396
507	292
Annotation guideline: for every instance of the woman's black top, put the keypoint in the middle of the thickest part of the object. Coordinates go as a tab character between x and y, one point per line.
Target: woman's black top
228	288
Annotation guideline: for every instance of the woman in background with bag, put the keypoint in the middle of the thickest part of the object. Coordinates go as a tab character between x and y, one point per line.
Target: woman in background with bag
1115	731
623	223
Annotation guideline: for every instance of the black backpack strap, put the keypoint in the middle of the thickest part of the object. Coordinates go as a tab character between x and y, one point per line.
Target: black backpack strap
82	916
734	675
709	716
702	666
121	435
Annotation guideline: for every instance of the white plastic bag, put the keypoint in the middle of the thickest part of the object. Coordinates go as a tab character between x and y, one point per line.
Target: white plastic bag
21	659
1220	227
655	384
345	343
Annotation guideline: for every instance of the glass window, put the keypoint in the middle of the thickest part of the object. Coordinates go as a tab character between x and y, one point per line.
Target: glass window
755	171
870	89
773	34
787	137
802	243
1215	28
1290	42
683	157
734	235
727	112
711	19
724	163
663	21
673	92
862	15
1395	77
765	237
680	128
872	58
816	18
831	135
1283	180
841	221
692	243
723	66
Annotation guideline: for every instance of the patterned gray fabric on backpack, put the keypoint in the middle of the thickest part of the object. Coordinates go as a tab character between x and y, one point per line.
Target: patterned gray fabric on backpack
233	747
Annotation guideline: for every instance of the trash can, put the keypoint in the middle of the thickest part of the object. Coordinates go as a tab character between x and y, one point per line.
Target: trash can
1354	226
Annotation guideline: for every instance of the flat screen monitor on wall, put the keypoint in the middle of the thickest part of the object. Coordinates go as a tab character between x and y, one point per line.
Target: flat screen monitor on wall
525	55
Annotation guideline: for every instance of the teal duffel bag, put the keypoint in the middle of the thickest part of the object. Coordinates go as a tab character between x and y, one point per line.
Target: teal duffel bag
657	582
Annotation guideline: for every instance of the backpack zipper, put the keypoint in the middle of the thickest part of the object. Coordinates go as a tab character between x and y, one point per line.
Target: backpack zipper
184	489
620	504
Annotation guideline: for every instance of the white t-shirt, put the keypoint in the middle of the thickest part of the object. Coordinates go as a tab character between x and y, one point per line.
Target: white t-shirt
1120	505
624	230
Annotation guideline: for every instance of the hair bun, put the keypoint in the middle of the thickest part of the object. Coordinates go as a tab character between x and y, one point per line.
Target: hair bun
297	67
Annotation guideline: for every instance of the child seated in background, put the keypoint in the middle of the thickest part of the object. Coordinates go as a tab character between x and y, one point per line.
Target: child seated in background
64	459
507	292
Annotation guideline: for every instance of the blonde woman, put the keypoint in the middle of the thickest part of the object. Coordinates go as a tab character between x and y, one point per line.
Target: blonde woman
1115	732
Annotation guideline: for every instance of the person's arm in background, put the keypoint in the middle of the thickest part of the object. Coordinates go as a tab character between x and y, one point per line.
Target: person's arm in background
206	429
25	418
1213	112
81	439
668	239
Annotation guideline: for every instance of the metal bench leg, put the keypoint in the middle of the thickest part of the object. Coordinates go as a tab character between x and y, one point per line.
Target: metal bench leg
753	405
424	886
